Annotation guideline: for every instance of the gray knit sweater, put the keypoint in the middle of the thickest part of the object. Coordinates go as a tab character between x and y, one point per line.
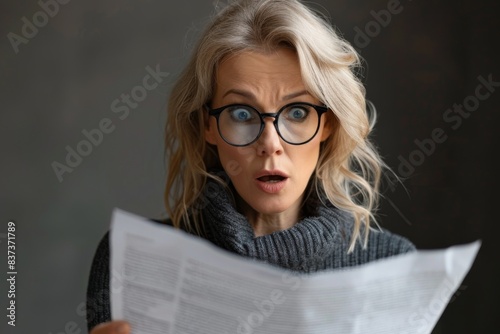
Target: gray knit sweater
318	242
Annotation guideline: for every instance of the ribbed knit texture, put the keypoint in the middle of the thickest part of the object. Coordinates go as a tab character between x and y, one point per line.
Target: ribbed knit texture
315	243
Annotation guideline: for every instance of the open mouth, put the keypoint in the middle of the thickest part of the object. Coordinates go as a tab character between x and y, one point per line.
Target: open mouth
271	181
271	178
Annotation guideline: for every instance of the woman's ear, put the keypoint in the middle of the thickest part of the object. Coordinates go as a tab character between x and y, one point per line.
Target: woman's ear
210	128
328	125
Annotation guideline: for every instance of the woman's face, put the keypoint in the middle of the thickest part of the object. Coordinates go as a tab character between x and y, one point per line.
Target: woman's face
270	175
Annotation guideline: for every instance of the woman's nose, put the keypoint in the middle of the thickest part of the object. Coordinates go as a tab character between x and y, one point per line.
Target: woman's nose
269	141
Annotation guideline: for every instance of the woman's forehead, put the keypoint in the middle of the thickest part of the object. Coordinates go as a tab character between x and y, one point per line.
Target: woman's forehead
279	61
251	73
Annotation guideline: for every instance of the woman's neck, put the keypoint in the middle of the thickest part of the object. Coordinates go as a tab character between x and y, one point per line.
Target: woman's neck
264	223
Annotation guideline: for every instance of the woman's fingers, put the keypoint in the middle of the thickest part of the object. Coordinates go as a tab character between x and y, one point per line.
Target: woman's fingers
112	327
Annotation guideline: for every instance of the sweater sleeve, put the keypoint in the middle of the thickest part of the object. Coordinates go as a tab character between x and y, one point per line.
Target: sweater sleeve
98	302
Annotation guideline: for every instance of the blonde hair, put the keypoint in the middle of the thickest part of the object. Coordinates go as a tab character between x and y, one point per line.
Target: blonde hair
349	168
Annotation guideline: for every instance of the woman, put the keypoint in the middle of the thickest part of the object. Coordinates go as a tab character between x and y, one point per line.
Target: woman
268	148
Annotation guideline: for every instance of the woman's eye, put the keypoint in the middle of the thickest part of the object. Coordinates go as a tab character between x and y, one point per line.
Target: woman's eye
240	114
297	113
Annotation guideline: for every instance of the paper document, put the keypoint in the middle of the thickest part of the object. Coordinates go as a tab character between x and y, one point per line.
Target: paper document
166	281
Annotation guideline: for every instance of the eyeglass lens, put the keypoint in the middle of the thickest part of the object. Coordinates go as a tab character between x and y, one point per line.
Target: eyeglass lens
241	125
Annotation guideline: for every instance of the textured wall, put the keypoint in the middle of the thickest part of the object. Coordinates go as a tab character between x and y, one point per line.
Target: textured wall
72	74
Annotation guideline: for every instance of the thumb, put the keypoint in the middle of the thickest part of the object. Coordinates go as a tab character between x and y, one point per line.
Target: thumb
112	327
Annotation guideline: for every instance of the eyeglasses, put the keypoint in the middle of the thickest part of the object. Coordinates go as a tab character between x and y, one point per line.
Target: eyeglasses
241	125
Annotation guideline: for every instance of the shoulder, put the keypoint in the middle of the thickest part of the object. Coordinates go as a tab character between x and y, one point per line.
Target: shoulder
381	243
384	243
102	249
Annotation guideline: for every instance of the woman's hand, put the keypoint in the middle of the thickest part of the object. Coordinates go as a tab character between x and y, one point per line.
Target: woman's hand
112	327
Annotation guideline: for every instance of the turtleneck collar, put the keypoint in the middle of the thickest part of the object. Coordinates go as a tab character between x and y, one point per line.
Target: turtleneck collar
303	247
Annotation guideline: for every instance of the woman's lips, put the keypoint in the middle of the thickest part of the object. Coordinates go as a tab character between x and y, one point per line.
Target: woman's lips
271	182
271	178
274	173
271	187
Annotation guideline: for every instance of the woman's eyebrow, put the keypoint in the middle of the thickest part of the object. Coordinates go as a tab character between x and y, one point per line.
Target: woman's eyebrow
251	96
248	95
294	95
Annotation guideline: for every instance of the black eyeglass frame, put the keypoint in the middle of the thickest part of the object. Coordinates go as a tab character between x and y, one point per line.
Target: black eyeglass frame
217	111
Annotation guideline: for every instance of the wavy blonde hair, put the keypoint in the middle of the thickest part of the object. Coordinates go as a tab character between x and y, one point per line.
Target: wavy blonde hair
349	168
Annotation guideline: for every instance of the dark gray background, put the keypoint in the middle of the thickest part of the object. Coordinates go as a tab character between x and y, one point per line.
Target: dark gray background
65	78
